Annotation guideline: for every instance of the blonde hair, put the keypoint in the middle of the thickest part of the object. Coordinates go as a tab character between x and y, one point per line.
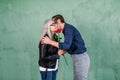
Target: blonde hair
46	29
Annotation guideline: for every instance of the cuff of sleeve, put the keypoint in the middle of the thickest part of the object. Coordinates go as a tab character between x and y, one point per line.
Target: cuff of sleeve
60	45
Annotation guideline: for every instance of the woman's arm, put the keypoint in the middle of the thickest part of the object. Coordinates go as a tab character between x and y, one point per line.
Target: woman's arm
52	57
46	49
43	50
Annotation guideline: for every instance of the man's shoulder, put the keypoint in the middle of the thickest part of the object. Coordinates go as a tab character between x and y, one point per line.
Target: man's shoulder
69	26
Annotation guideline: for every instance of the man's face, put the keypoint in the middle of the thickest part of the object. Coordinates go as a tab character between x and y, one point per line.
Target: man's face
58	22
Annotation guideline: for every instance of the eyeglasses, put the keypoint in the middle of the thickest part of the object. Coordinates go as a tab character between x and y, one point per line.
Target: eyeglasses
53	24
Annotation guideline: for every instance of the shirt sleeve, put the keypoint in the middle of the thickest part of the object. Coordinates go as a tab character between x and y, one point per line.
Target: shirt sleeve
68	36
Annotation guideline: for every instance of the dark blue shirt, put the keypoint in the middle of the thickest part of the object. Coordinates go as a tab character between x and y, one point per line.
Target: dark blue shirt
73	42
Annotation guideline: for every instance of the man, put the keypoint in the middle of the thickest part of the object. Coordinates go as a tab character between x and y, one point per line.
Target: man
74	45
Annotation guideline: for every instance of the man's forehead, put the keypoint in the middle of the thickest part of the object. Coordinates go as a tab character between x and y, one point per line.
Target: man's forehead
53	21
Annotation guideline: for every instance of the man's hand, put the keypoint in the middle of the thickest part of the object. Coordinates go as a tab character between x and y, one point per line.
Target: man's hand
61	52
46	40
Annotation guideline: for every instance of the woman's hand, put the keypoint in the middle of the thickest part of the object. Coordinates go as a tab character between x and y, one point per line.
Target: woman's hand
45	40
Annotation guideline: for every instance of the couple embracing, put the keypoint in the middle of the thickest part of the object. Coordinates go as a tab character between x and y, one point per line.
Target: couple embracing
50	49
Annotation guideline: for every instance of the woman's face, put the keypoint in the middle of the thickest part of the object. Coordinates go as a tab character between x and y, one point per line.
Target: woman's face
53	26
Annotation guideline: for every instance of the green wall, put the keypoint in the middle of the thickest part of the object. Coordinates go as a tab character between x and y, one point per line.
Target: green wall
20	29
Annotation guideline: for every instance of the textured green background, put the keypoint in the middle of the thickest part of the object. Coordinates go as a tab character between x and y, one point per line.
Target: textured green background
20	29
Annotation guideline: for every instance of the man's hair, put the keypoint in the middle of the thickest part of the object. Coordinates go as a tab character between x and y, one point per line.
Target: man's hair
58	16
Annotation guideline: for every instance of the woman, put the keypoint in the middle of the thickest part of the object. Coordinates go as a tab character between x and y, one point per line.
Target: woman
48	57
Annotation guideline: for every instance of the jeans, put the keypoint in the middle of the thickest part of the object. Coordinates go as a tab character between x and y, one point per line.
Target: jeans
81	66
48	75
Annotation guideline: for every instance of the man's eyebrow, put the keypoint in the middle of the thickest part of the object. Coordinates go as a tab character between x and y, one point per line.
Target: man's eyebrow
55	21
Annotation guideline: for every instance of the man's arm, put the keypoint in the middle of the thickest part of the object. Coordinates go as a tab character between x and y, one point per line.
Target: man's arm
68	39
46	40
61	45
54	43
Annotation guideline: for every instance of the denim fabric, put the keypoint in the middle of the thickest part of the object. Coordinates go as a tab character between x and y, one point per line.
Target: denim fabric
48	75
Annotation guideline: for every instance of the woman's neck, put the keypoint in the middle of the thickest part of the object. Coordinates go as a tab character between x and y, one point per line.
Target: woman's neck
52	34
